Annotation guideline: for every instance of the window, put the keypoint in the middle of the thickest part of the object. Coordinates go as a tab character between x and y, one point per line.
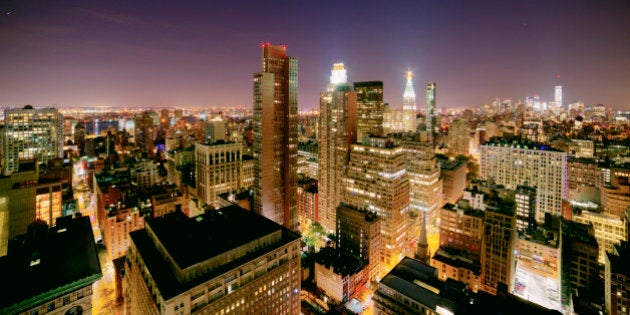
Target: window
51	306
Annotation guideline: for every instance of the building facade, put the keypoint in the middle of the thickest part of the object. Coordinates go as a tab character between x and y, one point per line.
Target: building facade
409	106
31	133
337	132
276	137
377	181
359	233
370	108
513	162
240	263
219	168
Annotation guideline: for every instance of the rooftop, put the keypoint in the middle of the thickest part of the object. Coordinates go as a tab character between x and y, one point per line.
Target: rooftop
519	143
48	263
215	231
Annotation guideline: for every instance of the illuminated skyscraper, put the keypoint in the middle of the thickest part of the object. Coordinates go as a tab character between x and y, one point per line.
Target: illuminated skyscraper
377	181
558	97
337	132
430	119
409	105
31	133
276	137
370	109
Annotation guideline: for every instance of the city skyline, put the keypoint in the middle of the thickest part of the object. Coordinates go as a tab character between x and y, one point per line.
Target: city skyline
162	55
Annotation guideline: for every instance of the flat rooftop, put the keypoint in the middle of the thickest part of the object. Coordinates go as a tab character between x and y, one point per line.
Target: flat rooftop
193	240
64	259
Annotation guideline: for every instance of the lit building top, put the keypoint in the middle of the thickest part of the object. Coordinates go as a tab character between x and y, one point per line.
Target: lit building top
338	74
409	94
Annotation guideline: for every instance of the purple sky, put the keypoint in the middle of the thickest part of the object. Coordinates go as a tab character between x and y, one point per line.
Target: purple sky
203	53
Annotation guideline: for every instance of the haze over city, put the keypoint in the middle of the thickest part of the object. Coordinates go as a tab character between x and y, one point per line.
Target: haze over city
161	54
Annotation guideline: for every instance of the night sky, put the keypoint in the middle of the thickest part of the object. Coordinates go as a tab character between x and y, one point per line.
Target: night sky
203	53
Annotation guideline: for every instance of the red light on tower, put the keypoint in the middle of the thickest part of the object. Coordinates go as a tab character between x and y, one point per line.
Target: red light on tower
557	76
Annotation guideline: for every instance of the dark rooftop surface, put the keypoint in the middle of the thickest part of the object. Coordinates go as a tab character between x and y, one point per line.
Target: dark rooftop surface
419	282
342	263
63	259
215	231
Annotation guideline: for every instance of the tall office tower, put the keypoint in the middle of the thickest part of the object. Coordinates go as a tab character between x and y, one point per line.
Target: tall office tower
232	259
276	137
370	109
579	258
459	138
409	105
497	248
430	115
143	132
425	185
31	133
377	181
525	197
617	280
558	97
359	233
165	120
219	170
513	161
79	136
337	132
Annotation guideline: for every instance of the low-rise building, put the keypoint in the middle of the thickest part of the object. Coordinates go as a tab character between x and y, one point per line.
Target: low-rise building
339	274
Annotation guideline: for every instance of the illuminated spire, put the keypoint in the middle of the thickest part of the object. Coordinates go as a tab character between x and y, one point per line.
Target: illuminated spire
409	97
338	74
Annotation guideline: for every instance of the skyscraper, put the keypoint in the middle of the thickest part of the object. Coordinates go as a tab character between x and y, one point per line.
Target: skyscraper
558	97
337	132
377	181
430	119
275	137
459	137
409	105
31	133
370	108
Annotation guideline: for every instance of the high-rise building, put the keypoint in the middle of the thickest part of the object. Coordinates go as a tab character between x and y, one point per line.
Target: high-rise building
377	181
337	132
143	131
497	248
558	97
409	105
525	197
228	259
425	193
79	137
370	108
359	233
617	280
462	228
219	170
430	113
31	133
579	258
459	138
513	161
276	137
